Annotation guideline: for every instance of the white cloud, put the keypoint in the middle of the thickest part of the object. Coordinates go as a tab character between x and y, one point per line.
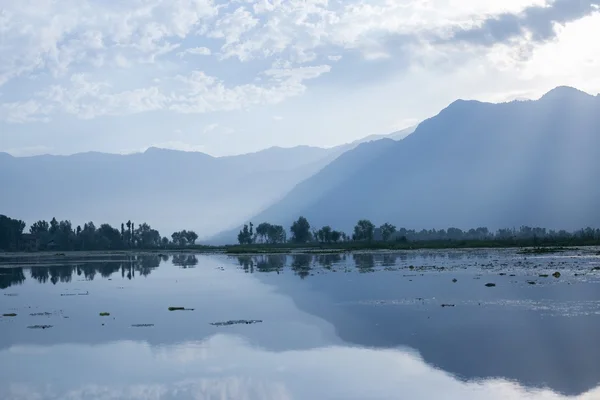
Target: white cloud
85	59
197	51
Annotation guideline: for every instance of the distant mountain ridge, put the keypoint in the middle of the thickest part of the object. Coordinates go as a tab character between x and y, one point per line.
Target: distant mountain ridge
170	189
474	164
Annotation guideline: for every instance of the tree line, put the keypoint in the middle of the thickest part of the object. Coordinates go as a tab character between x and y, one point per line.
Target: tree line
366	231
62	235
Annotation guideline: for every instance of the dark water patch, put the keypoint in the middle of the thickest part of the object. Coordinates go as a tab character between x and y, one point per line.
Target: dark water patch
39	326
237	322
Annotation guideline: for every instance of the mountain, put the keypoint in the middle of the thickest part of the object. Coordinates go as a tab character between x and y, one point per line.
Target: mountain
474	164
169	189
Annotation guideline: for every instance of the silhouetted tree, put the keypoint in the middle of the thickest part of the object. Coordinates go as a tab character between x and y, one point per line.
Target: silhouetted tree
191	237
364	230
300	231
276	234
387	230
246	234
39	228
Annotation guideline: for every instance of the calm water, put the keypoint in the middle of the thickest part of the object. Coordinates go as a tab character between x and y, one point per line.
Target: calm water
358	326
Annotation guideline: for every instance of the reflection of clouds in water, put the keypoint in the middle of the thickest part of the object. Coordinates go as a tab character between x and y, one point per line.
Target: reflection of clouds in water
225	367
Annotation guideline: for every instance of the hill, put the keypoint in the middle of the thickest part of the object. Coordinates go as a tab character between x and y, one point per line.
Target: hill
474	164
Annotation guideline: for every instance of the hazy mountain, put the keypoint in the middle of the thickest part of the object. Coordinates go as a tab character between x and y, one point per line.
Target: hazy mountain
169	189
474	164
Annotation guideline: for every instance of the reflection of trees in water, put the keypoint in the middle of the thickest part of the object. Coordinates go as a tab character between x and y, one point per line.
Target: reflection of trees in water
270	262
328	260
364	261
389	259
185	260
301	264
63	273
147	263
107	269
10	277
88	270
40	274
142	264
247	263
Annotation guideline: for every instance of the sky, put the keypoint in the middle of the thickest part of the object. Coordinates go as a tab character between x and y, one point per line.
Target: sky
230	77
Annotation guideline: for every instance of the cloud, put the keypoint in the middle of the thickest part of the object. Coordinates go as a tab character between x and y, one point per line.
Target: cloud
536	22
226	366
192	93
198	51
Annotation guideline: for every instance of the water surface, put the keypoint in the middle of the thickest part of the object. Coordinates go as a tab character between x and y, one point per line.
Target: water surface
416	325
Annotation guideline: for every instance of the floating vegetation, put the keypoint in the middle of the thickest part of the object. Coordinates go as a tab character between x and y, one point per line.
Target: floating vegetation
502	273
41	314
490	285
531	282
543	275
544	250
39	327
556	274
104	314
447	305
454	280
180	309
68	294
142	325
9	315
236	322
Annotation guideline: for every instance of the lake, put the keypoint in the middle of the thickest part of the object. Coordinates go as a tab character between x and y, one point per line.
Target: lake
458	324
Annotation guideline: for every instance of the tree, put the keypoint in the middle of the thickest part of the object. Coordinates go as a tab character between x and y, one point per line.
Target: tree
10	232
191	237
246	235
39	227
146	236
262	231
129	235
53	226
336	236
363	230
300	230
387	230
109	237
180	238
276	234
324	234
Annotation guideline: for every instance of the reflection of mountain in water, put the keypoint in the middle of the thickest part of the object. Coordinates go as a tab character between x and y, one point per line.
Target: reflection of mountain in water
470	341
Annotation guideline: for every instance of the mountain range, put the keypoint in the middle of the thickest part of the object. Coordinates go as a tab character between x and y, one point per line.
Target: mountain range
533	162
171	190
474	164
